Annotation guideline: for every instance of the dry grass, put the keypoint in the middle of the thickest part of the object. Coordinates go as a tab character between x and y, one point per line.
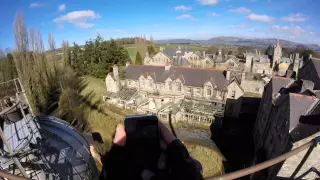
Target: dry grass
211	160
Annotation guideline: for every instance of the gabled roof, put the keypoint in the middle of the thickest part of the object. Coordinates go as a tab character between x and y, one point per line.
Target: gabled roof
236	80
192	76
170	52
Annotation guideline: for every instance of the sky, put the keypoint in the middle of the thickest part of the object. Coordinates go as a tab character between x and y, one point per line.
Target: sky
80	20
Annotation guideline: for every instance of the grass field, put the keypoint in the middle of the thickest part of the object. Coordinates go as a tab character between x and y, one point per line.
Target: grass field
211	160
132	52
95	86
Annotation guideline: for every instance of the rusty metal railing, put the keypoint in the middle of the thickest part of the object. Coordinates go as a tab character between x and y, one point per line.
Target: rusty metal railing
266	164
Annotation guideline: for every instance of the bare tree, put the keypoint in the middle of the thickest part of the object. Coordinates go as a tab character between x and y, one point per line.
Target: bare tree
66	53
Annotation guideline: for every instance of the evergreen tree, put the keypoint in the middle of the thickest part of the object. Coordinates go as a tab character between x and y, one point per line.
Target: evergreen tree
138	59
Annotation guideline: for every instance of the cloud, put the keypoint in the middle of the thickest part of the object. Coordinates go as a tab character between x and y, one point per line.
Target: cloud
213	14
292	30
182	8
239	26
78	18
62	7
240	10
186	16
262	18
208	2
295	18
35	5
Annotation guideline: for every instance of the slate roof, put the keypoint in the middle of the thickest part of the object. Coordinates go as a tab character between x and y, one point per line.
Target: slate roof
278	83
299	105
285	60
316	63
170	52
192	76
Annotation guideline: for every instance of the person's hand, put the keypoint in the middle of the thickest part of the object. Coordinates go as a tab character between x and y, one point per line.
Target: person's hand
120	136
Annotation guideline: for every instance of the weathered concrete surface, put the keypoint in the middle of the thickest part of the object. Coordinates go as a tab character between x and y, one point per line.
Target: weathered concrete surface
312	162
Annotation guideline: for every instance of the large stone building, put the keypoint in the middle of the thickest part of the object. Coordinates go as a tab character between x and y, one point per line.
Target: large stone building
285	117
191	94
273	64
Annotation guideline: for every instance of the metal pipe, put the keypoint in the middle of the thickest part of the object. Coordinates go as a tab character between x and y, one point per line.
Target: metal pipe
264	165
15	159
11	176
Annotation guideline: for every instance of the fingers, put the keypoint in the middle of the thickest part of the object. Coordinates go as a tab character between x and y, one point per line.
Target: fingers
147	174
166	134
120	136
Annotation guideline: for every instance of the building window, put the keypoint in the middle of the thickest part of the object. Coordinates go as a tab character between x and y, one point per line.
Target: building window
179	86
208	89
129	83
231	64
198	91
218	93
257	89
150	83
233	94
214	92
170	86
189	90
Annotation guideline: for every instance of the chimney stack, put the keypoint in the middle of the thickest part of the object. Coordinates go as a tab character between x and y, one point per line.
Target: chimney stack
116	76
167	66
228	74
243	76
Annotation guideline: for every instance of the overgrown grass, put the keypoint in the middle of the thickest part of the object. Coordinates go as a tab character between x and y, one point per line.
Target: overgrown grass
95	86
211	160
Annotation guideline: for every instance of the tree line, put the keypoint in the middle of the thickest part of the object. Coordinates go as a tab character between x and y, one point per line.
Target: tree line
97	57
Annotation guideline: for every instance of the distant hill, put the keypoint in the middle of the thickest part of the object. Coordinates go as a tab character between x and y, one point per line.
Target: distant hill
237	41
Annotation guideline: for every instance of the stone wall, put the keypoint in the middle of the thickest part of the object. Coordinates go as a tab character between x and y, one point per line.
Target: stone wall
313	161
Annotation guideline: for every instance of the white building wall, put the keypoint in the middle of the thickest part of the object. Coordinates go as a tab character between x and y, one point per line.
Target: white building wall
111	84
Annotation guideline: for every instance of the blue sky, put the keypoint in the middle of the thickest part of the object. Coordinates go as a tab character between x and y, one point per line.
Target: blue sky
79	20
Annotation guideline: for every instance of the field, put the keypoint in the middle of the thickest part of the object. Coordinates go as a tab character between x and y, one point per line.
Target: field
211	160
132	49
95	86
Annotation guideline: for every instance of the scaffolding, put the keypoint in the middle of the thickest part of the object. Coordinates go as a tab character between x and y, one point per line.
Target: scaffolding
39	147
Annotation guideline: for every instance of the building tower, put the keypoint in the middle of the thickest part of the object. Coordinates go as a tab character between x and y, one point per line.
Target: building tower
249	63
277	53
116	77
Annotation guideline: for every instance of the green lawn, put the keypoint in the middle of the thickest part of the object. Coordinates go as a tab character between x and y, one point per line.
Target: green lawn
132	53
95	86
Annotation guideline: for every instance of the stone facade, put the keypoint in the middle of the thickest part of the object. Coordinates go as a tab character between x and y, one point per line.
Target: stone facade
192	95
286	116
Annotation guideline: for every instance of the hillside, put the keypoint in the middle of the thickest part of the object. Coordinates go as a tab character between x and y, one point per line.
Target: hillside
238	41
